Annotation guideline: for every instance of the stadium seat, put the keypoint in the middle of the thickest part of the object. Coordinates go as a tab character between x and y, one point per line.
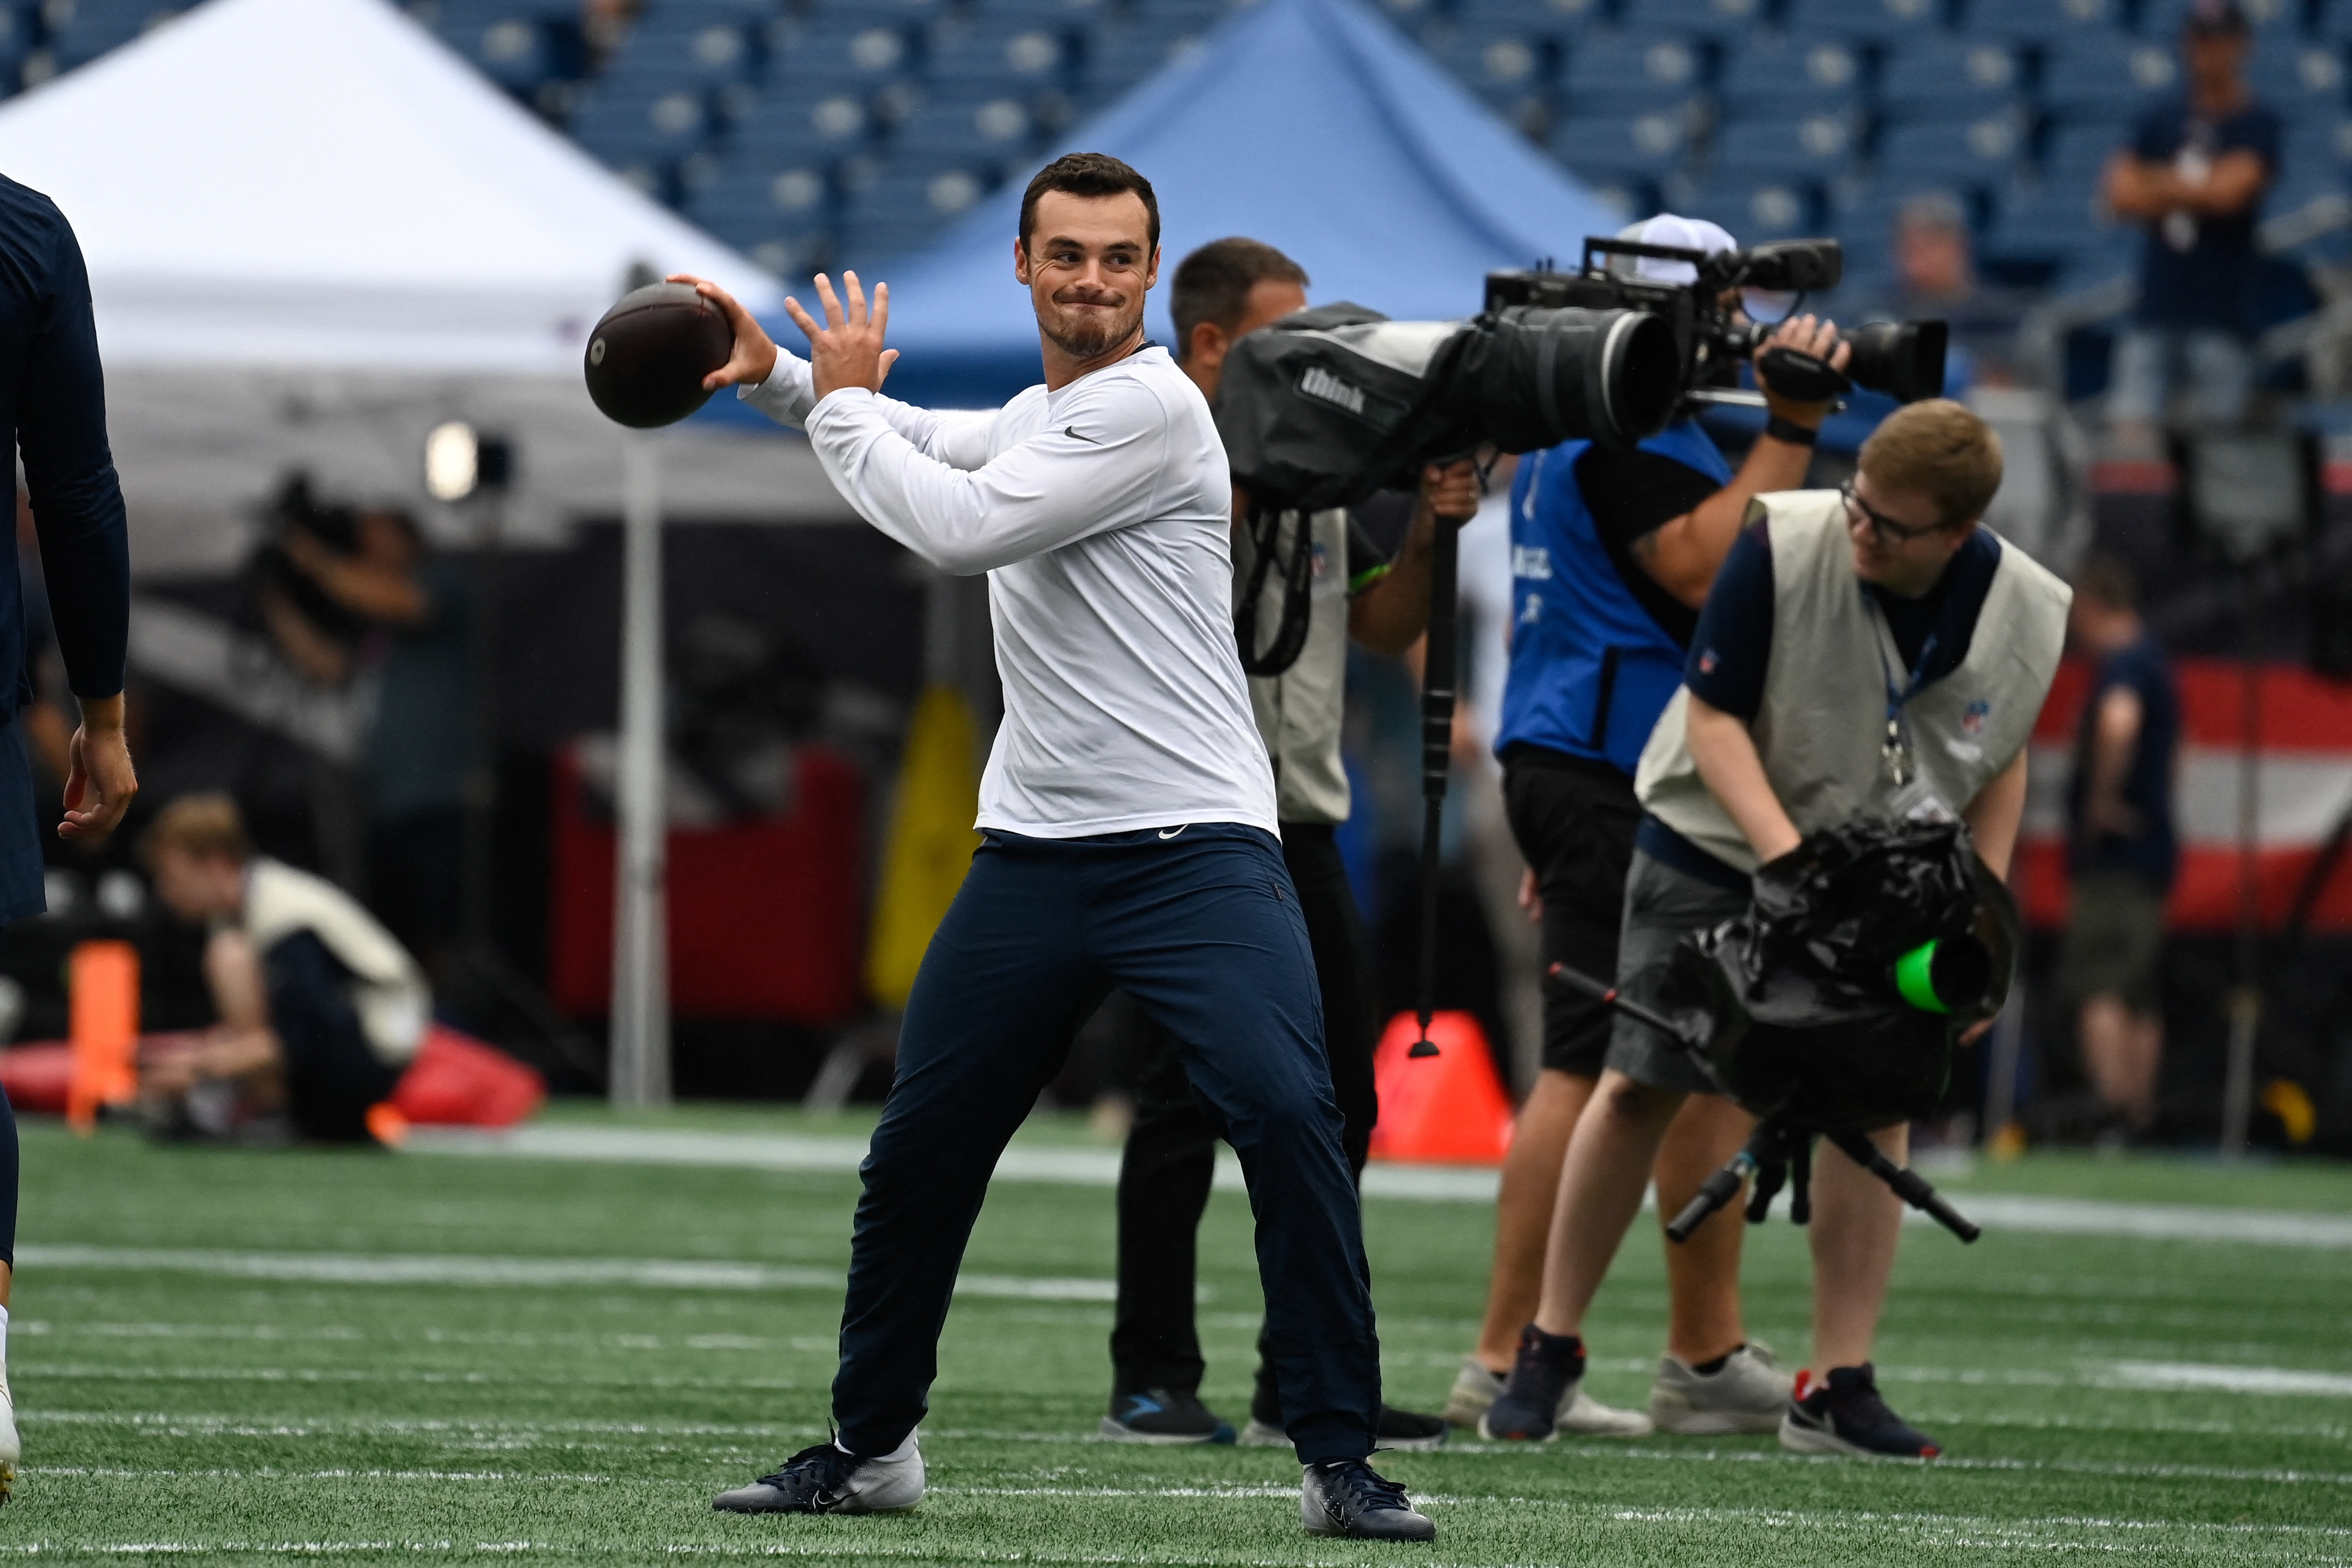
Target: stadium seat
990	129
1772	74
833	57
1555	19
630	128
2077	154
2161	19
795	126
1622	74
1864	21
1645	147
893	12
752	207
2046	224
1016	57
2300	79
93	26
1695	18
2105	76
667	50
1754	211
1972	153
1812	147
900	213
1510	70
512	46
2043	22
1941	78
1120	57
1050	14
2322	144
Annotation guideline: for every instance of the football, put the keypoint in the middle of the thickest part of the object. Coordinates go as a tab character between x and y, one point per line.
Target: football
648	356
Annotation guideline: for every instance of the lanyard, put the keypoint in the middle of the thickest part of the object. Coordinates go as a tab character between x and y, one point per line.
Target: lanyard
1895	750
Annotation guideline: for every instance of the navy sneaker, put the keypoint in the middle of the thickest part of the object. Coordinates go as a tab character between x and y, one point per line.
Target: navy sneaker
1544	1376
1348	1497
824	1479
1843	1414
1164	1416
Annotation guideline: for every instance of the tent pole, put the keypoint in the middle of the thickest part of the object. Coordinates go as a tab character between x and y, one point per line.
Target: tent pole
640	1063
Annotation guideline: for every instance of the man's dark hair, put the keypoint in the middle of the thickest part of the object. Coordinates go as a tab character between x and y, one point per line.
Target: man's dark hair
1088	175
1214	284
2109	580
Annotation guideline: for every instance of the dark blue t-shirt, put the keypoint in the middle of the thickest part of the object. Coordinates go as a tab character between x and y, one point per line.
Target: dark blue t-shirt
2154	851
1733	648
2210	281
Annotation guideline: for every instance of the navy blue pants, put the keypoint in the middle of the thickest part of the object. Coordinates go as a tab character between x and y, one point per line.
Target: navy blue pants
1203	929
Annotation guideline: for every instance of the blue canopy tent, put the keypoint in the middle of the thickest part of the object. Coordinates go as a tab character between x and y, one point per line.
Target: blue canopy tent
1311	125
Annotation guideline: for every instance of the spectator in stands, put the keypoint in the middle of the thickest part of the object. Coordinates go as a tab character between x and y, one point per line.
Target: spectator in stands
2121	844
2194	174
319	1009
1935	278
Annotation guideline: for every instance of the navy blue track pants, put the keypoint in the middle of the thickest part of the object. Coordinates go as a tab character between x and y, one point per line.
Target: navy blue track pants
1202	928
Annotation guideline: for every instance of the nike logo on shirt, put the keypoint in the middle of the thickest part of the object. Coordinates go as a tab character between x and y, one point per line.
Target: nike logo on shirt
1072	431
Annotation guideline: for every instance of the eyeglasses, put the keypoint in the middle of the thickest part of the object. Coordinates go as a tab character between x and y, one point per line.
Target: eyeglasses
1889	531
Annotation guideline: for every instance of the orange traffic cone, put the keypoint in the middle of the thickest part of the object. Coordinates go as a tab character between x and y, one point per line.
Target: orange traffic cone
102	1003
1447	1109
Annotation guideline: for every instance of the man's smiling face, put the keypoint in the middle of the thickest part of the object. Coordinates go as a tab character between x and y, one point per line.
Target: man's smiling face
1087	261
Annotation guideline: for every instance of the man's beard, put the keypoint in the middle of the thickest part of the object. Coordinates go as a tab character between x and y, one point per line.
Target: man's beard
1085	339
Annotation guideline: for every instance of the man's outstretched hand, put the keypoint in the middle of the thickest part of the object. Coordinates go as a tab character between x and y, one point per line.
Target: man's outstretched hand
100	781
753	359
847	350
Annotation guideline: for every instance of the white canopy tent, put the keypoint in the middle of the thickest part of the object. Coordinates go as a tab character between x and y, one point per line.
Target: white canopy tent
312	234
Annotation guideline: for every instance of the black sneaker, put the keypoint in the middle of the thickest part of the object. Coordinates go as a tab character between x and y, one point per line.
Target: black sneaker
1348	1497
1164	1416
824	1479
1843	1414
1544	1376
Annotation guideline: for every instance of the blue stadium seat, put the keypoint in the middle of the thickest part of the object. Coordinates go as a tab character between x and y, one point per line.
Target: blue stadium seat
1861	218
2300	79
964	131
2044	21
1695	18
1540	18
1812	147
1622	74
628	128
513	47
1979	152
1120	57
1941	78
1773	72
834	56
2104	76
667	49
1617	148
2047	223
2333	22
1053	13
94	26
1506	68
1753	210
752	205
900	213
890	13
2078	155
19	29
801	127
1014	56
2323	143
1864	21
2161	19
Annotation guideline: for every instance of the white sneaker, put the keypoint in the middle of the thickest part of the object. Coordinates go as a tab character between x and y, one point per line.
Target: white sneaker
1746	1394
1474	1389
11	1449
824	1479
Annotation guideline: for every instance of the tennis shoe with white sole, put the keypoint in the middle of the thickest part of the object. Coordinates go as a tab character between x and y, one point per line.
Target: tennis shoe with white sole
1747	1392
1474	1389
12	1450
1843	1414
1546	1376
1348	1498
826	1479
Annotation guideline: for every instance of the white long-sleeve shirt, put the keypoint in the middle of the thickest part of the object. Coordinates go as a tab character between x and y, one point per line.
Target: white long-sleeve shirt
1102	515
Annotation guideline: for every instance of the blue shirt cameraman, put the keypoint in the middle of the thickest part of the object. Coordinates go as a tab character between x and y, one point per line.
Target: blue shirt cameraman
1611	555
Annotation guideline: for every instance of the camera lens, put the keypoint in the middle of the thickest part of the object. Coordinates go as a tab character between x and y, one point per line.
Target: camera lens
1904	359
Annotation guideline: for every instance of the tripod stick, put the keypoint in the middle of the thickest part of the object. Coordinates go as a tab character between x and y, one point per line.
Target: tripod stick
1908	1185
1438	653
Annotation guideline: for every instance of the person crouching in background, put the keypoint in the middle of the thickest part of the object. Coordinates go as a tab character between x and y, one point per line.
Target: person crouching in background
319	1009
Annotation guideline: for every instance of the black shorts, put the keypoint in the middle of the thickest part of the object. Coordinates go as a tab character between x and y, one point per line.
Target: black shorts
1574	822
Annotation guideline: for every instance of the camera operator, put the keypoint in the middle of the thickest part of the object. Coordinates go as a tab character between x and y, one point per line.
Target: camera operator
1224	291
1806	704
1611	555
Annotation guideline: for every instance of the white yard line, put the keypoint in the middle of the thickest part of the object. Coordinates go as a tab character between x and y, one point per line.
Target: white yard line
1439	1184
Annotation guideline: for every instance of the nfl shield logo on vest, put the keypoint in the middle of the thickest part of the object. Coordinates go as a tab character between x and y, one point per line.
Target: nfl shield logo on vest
1972	718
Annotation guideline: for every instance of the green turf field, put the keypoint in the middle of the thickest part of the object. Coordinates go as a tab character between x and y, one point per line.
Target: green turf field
363	1358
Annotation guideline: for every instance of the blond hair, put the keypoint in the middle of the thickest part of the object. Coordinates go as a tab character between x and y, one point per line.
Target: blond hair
206	826
1939	448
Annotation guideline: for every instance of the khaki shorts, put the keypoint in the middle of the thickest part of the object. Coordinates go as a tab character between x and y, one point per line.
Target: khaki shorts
2115	936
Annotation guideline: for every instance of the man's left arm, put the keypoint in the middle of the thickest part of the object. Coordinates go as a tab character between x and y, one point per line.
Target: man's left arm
1390	615
78	513
1994	815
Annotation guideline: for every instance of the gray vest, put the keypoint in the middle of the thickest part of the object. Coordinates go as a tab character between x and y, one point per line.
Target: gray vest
1299	712
1822	726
